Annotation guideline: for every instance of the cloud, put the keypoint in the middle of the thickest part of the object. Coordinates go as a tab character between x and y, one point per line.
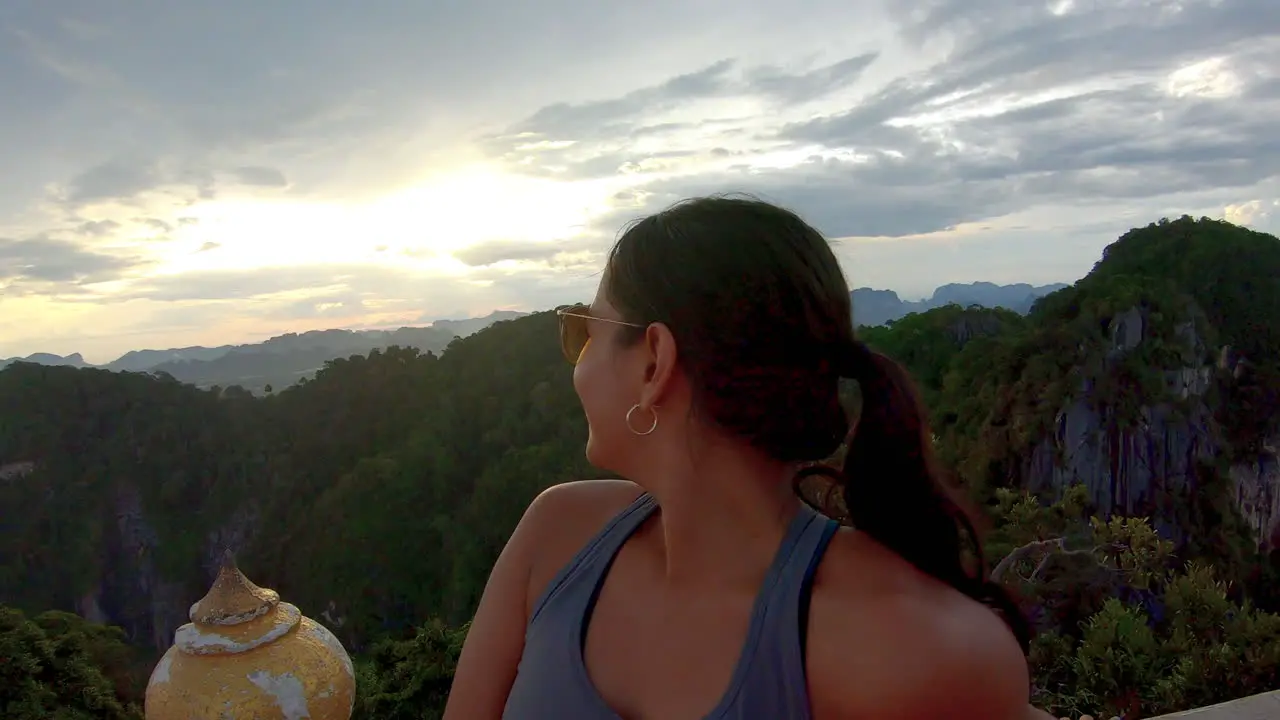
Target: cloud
111	180
98	227
155	224
1029	108
789	87
628	113
123	180
1252	212
373	88
606	137
253	283
561	253
44	259
565	120
1019	56
260	176
366	293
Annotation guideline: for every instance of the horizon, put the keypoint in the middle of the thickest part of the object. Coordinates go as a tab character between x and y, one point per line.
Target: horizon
192	175
107	359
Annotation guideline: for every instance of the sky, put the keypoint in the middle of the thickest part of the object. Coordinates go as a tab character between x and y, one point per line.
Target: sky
179	173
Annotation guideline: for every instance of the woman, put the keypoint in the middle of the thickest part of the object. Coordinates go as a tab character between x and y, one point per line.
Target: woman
702	586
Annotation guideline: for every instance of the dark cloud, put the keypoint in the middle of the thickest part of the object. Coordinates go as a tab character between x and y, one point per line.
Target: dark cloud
44	259
492	253
1136	145
604	118
98	227
565	121
840	198
1047	53
110	180
260	176
312	83
594	139
155	223
209	246
785	87
976	22
123	180
1029	109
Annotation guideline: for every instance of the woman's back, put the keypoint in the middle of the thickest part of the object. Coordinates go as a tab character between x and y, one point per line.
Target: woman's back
708	368
649	656
691	648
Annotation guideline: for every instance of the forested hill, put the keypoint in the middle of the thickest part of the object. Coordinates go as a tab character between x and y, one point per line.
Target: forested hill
377	495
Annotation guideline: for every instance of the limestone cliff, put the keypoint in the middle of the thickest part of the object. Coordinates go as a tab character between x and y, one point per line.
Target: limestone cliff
133	592
1257	494
1145	459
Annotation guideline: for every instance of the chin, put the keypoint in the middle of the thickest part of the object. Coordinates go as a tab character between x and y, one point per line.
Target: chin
596	459
591	452
596	454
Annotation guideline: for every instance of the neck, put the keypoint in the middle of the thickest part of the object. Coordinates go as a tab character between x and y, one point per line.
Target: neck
723	517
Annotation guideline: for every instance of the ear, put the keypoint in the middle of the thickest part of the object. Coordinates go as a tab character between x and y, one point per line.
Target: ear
661	356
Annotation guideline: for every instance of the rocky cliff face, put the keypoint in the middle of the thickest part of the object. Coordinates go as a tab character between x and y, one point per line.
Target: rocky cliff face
132	592
1257	486
1142	466
1131	468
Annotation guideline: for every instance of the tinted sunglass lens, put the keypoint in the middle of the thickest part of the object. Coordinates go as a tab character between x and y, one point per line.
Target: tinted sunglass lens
573	336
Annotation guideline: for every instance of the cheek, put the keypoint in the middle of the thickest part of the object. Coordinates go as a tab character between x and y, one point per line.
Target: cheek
593	388
597	390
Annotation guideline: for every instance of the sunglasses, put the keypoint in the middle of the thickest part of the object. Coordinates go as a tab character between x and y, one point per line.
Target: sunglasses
573	329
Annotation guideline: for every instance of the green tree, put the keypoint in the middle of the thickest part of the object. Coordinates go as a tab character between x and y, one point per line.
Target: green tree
409	679
50	669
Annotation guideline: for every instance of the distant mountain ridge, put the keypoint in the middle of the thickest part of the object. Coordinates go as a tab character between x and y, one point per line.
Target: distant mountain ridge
279	361
283	360
877	307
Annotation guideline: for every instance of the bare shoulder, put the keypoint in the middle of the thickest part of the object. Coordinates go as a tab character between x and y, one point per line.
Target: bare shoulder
563	518
888	642
559	521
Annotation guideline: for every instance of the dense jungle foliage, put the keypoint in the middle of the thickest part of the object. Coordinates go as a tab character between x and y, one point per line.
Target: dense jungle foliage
377	495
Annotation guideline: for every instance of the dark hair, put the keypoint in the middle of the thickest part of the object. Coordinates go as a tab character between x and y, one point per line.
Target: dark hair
762	315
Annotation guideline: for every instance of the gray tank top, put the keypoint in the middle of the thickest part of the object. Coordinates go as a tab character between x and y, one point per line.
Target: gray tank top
769	679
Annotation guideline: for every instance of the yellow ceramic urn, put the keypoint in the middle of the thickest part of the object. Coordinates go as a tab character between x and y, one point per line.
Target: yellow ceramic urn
247	656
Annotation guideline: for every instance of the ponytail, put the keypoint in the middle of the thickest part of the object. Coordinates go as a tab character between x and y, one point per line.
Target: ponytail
893	492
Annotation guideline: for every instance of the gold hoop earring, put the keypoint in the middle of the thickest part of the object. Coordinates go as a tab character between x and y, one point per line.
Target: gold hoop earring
653	411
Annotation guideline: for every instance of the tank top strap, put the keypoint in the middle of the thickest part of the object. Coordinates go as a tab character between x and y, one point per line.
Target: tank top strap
774	677
593	560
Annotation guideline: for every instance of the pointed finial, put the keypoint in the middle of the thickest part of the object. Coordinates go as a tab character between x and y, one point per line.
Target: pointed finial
233	599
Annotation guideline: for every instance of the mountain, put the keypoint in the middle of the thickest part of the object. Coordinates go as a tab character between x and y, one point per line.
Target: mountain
877	307
1120	439
140	360
463	328
72	360
279	361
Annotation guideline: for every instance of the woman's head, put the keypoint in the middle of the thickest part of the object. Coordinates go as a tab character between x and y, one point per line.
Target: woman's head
754	305
743	310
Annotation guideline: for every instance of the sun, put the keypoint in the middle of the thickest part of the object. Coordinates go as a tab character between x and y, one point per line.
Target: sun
482	204
419	225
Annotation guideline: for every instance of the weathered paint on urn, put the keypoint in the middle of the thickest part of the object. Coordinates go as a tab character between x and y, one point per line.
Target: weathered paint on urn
246	655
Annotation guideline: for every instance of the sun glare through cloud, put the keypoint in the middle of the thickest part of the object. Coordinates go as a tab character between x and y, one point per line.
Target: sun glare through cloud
417	226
